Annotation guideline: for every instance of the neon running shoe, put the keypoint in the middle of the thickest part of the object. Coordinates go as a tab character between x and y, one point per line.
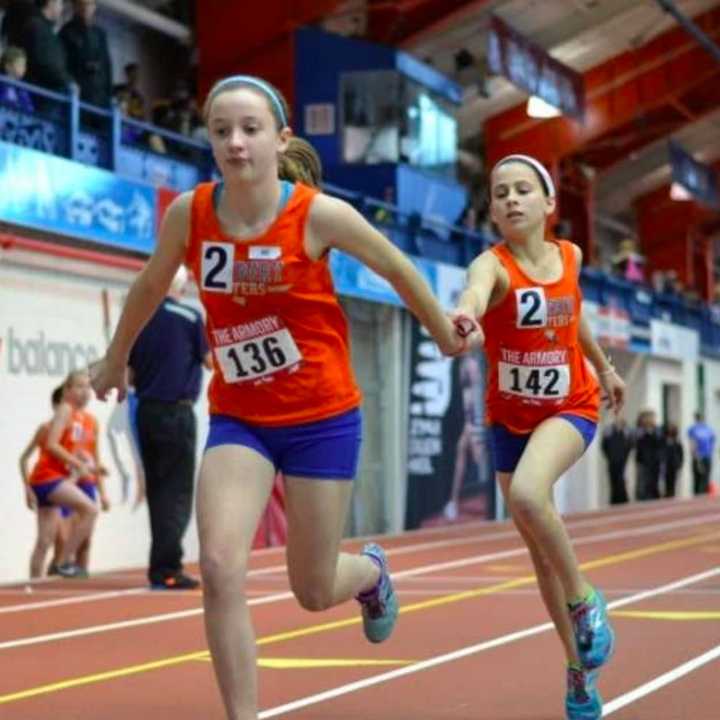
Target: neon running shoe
583	701
594	635
379	605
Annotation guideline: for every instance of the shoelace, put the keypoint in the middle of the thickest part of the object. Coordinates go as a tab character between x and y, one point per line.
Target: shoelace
583	628
577	685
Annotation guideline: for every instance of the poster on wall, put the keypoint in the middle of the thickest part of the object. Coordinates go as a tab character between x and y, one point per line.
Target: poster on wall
450	473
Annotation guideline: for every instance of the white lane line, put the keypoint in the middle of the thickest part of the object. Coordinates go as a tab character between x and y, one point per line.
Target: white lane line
73	600
164	617
465	652
665	679
36	639
53	583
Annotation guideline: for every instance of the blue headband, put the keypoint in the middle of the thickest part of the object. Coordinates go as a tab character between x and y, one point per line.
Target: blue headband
260	85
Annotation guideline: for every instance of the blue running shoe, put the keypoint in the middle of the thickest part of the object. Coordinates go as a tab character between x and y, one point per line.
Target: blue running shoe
379	605
583	701
594	635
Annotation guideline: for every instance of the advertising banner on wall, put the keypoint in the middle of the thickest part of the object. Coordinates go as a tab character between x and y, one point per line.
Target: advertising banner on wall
450	473
50	193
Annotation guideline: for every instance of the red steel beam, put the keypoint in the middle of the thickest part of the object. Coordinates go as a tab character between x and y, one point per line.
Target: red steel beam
618	92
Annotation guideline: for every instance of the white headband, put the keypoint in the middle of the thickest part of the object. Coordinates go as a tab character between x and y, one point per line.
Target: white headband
545	178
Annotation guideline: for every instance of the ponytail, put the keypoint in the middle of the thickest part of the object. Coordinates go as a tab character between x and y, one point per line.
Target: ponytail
300	163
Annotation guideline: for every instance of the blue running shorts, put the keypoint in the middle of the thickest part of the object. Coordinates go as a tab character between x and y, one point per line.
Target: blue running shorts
509	446
327	449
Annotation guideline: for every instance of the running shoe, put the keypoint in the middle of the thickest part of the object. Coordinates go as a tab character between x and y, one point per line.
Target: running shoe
583	701
179	581
379	605
594	635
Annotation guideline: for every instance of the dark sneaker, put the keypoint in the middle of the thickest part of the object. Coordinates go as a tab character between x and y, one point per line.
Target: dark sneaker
582	702
52	570
71	570
179	581
380	605
594	635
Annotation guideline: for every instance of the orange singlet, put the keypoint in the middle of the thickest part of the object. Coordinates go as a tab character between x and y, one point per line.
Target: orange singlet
49	467
278	334
536	366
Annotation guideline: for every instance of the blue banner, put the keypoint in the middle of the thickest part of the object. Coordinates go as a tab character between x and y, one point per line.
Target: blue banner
56	195
699	179
354	279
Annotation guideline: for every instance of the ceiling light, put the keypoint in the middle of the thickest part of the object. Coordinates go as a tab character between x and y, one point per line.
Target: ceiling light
679	192
538	108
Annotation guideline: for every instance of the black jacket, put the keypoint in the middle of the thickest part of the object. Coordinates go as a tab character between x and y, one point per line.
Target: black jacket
617	444
47	64
88	60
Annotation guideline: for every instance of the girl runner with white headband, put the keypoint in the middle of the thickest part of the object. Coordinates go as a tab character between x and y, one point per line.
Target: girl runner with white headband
523	300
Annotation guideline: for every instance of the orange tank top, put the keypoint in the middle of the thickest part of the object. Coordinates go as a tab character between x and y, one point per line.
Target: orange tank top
50	467
536	366
278	335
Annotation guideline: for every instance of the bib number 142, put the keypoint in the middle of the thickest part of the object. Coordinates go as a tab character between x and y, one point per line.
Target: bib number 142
547	382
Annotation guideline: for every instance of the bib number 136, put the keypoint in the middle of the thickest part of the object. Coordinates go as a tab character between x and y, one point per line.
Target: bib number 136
257	358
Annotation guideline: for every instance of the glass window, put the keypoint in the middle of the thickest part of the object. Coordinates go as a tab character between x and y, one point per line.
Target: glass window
390	118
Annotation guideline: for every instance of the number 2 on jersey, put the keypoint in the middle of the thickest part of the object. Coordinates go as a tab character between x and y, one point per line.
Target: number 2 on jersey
218	260
531	308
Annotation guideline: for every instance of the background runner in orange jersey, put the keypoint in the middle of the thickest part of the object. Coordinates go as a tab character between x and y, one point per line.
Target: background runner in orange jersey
542	400
52	477
283	395
53	524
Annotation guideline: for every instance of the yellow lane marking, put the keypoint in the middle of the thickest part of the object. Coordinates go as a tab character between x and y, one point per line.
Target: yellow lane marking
309	663
324	627
667	614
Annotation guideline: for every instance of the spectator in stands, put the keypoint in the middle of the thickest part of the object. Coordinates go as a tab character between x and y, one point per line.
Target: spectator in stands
87	53
13	63
649	456
617	444
702	446
135	99
385	215
46	59
17	14
674	458
628	262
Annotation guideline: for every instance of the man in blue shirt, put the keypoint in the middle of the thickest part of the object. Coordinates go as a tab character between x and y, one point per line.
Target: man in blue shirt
166	371
702	445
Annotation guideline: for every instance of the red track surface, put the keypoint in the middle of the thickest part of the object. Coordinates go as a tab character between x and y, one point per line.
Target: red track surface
108	649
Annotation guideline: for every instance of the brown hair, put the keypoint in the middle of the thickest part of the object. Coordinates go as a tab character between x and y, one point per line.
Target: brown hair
71	376
12	54
300	162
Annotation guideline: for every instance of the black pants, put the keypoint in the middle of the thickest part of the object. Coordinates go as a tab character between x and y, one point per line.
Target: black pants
618	488
648	482
701	475
167	446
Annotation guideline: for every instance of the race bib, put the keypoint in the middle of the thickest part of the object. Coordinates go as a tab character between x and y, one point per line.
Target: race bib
548	382
255	350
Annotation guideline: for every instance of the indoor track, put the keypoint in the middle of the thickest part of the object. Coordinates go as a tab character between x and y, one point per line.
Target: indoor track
473	640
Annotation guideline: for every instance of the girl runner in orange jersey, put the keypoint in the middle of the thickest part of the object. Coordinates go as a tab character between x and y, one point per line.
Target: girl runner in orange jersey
542	400
51	483
62	524
283	396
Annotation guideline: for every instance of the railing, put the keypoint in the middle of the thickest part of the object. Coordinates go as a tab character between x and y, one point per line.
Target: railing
61	124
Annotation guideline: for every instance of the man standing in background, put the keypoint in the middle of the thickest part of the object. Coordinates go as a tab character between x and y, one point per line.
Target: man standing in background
166	370
702	446
616	445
